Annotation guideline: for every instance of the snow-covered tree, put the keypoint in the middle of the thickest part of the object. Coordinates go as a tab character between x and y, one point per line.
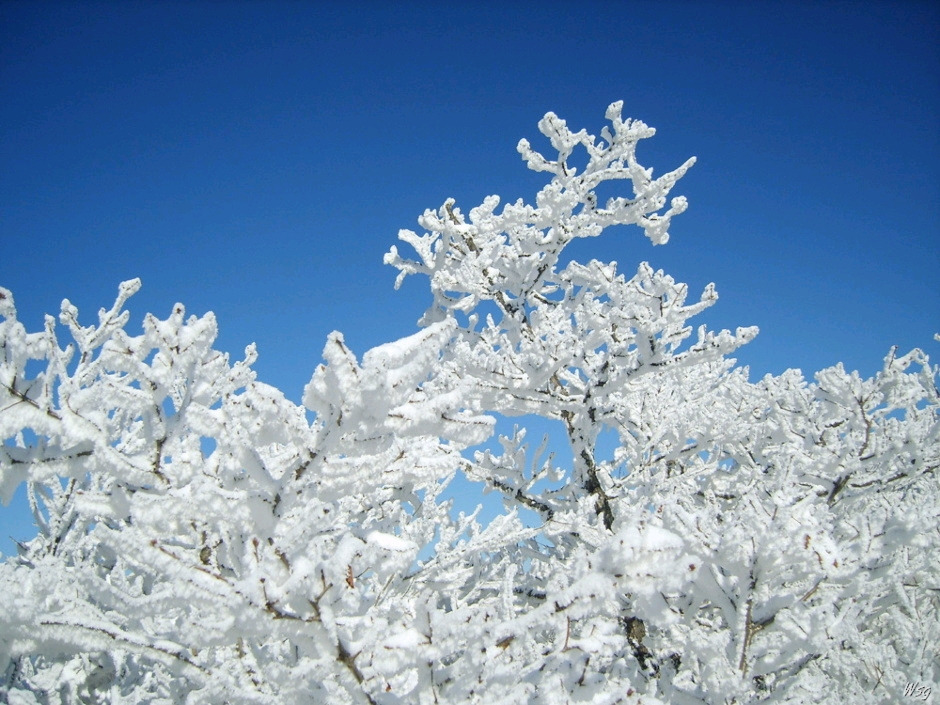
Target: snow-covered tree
203	539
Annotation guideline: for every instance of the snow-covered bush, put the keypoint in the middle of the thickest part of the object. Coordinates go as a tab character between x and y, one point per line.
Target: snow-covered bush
201	541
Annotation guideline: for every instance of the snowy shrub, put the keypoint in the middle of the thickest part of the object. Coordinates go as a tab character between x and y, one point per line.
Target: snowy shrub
200	540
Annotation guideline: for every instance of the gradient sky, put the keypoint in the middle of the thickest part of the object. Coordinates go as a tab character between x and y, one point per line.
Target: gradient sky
257	159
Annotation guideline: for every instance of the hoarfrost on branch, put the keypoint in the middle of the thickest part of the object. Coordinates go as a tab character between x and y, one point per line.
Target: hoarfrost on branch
201	541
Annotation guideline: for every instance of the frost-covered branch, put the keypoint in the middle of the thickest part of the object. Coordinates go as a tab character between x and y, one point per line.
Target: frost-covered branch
203	539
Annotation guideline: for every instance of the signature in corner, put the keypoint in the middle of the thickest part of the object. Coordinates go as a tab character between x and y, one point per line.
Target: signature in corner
916	690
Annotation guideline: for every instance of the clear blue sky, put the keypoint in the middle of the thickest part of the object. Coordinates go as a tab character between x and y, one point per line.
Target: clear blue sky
257	159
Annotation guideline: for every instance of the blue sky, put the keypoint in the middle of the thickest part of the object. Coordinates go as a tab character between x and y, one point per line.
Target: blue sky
257	159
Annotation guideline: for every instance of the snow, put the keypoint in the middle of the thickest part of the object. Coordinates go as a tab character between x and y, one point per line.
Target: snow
201	540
